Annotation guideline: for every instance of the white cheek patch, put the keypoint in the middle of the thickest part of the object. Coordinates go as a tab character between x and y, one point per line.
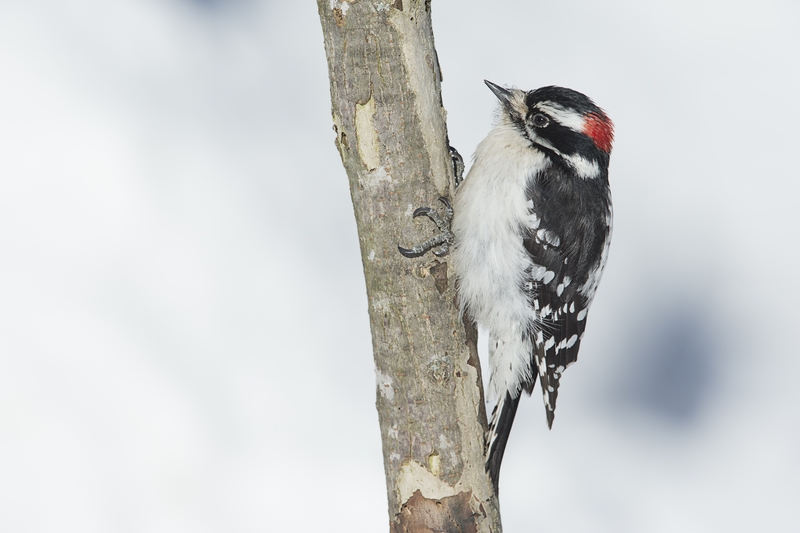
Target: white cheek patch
584	167
565	117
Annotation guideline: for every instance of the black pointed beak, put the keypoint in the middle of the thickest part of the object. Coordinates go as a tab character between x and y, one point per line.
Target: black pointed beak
504	95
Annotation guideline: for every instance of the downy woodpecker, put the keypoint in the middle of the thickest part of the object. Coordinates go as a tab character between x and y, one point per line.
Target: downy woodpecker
531	227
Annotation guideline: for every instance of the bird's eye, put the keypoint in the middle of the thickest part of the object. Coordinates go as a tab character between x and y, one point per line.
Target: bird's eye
540	121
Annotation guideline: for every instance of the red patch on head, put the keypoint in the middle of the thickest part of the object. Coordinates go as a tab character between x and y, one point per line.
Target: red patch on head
600	129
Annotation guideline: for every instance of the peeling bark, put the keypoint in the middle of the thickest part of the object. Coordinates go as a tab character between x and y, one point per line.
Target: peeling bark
392	138
453	514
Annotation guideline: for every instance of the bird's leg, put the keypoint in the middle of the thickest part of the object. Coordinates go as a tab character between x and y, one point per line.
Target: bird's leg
440	242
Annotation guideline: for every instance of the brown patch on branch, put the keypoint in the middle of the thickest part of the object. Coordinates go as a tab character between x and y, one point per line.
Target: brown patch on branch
471	333
452	514
338	16
439	272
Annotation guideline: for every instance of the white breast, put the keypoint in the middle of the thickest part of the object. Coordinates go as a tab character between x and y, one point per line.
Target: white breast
490	261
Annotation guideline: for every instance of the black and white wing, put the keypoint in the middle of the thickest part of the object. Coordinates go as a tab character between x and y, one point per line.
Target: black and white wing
569	254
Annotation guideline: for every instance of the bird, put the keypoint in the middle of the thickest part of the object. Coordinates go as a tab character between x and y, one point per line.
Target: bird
529	232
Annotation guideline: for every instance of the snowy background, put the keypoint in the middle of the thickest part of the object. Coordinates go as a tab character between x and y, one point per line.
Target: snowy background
183	320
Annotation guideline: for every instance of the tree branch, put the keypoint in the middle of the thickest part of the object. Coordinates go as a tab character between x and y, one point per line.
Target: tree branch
392	138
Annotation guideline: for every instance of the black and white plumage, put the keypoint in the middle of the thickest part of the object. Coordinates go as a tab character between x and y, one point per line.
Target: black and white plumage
531	230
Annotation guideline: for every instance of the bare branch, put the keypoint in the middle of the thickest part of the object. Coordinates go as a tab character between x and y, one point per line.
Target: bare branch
392	138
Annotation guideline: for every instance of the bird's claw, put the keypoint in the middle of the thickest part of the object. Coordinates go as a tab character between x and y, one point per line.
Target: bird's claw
440	242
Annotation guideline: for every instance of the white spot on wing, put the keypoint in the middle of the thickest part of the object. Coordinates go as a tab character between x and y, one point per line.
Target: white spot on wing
548	236
572	340
538	272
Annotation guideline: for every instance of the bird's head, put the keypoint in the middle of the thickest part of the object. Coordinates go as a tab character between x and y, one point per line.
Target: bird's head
561	122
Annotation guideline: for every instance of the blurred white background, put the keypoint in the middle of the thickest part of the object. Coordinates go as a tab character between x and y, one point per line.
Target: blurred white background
184	341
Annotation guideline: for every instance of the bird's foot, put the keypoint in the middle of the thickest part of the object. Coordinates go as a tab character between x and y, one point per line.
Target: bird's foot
440	244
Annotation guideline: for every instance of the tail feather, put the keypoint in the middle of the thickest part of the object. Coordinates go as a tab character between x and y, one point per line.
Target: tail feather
499	431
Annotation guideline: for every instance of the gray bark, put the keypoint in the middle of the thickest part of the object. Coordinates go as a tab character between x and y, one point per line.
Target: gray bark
392	138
